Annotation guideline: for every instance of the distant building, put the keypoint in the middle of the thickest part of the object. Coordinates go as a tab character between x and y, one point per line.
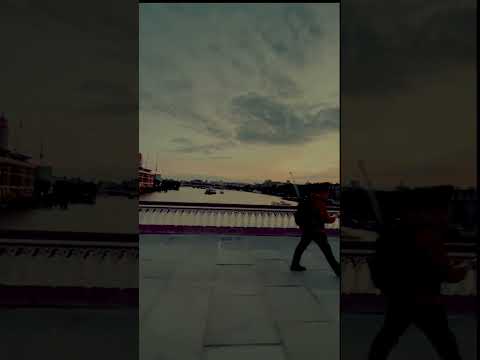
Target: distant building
146	178
16	170
16	177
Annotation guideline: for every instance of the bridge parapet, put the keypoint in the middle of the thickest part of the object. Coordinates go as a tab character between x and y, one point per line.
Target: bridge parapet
220	216
68	269
356	279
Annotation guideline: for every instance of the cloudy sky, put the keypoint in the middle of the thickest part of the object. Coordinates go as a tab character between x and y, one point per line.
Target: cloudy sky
409	73
240	92
70	76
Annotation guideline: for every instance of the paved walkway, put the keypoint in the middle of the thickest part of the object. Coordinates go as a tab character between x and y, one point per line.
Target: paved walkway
358	331
73	334
217	297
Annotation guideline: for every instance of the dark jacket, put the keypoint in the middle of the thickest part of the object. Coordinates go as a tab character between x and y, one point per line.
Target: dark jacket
314	216
408	264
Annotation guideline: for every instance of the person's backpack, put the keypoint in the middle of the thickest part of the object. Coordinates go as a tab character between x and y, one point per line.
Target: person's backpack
394	266
301	213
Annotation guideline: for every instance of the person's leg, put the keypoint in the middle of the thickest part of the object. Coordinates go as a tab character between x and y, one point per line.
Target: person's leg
432	320
322	242
299	250
397	319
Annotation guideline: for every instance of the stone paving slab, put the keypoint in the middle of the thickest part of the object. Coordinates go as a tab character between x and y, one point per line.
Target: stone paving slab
269	255
324	280
150	291
157	269
246	288
311	340
200	273
358	332
294	303
250	352
236	319
234	257
330	301
74	334
277	273
175	327
238	280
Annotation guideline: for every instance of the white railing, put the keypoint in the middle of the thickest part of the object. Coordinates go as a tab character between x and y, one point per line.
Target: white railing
59	266
220	216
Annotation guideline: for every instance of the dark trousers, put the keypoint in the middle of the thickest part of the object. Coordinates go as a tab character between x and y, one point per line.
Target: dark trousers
321	240
431	319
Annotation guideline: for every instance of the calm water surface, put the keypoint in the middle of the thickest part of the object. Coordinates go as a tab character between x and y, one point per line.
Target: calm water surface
113	214
109	214
187	194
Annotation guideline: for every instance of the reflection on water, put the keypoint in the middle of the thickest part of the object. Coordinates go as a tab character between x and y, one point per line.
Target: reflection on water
191	195
108	215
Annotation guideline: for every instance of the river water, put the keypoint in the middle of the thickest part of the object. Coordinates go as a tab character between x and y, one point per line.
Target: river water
192	195
110	214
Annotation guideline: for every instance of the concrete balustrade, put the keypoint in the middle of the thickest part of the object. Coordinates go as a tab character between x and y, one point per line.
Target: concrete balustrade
219	216
59	266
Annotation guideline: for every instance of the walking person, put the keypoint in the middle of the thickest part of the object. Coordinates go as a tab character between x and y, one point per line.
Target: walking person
311	217
409	267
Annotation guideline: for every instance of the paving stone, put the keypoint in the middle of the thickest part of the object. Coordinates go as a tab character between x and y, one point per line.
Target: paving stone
69	333
237	280
249	352
359	330
277	273
330	301
311	340
175	326
157	269
321	279
294	303
235	319
149	292
269	255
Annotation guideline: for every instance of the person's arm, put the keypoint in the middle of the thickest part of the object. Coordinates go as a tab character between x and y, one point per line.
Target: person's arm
326	217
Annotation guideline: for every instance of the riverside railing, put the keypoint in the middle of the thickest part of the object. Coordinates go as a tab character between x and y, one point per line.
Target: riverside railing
61	268
163	217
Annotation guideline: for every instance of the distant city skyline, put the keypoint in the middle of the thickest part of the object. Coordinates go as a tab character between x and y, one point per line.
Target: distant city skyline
252	96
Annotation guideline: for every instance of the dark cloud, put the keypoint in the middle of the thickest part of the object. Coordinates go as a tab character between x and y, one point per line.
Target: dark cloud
206	149
182	141
386	46
262	120
298	30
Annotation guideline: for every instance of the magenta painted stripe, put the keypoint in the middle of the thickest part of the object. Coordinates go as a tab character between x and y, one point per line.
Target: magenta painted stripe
46	296
216	230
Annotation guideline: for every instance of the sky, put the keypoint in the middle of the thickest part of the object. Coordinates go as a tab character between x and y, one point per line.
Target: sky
245	90
240	92
70	77
409	89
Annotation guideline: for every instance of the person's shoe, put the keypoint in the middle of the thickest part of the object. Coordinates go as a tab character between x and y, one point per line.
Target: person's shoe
297	268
